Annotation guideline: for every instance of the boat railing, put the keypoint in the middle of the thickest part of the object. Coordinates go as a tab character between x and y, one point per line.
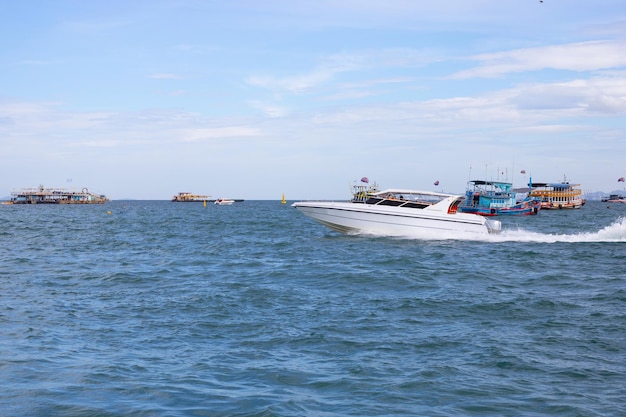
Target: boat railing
361	193
557	193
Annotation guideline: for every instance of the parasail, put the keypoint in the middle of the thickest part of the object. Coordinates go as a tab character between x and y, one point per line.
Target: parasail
436	182
620	179
365	180
522	171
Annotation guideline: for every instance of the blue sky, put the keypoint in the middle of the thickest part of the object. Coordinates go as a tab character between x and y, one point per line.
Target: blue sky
251	99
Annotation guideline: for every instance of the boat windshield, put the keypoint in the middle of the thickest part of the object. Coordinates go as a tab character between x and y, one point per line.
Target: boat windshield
404	199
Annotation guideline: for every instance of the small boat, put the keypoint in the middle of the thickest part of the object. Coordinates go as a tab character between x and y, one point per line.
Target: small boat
224	201
496	198
397	212
42	195
562	195
614	198
185	197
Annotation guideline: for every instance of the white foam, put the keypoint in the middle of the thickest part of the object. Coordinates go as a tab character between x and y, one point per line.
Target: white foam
615	232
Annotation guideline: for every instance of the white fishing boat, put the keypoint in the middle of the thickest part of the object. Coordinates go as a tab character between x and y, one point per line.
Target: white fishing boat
224	201
398	212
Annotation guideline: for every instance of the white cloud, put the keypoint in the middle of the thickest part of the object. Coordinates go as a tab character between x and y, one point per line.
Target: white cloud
202	134
321	74
103	143
583	56
166	76
269	109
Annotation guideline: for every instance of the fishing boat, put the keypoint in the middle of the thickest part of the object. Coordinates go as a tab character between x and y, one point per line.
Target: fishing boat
561	195
496	198
397	212
43	195
614	198
185	197
224	201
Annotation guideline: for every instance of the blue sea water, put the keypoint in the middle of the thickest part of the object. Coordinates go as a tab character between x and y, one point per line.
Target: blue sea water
152	308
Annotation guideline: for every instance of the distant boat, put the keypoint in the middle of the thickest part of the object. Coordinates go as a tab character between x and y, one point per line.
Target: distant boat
561	195
283	201
224	201
42	195
614	198
496	198
189	198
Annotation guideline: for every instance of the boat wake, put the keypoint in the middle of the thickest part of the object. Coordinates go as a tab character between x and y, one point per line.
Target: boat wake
615	232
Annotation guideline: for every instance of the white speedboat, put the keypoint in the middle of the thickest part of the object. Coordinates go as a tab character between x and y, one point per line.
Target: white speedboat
224	201
399	212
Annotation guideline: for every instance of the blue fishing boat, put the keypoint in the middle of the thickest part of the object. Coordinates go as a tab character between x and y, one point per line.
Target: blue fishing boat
496	198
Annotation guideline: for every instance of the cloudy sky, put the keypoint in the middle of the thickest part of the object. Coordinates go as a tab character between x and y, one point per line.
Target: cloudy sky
251	99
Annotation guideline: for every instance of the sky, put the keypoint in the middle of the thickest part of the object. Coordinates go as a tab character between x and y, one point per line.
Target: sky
255	99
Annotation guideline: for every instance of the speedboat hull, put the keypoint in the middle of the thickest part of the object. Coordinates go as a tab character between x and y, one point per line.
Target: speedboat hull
433	221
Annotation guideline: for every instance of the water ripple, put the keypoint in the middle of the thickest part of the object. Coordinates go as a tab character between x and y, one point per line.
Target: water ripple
253	310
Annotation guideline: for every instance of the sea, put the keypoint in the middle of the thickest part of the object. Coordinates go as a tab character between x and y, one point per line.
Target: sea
154	308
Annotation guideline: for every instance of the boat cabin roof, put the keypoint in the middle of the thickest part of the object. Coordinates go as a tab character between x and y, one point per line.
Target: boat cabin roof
555	185
501	184
406	192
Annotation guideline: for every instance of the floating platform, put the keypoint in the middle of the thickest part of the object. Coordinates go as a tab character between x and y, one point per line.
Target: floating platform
42	195
190	198
185	197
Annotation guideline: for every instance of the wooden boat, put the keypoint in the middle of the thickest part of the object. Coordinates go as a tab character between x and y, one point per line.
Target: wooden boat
185	197
562	195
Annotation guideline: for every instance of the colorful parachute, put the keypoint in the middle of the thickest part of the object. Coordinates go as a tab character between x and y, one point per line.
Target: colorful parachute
365	180
436	182
620	179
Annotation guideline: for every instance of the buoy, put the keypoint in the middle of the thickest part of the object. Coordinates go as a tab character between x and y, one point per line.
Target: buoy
108	212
